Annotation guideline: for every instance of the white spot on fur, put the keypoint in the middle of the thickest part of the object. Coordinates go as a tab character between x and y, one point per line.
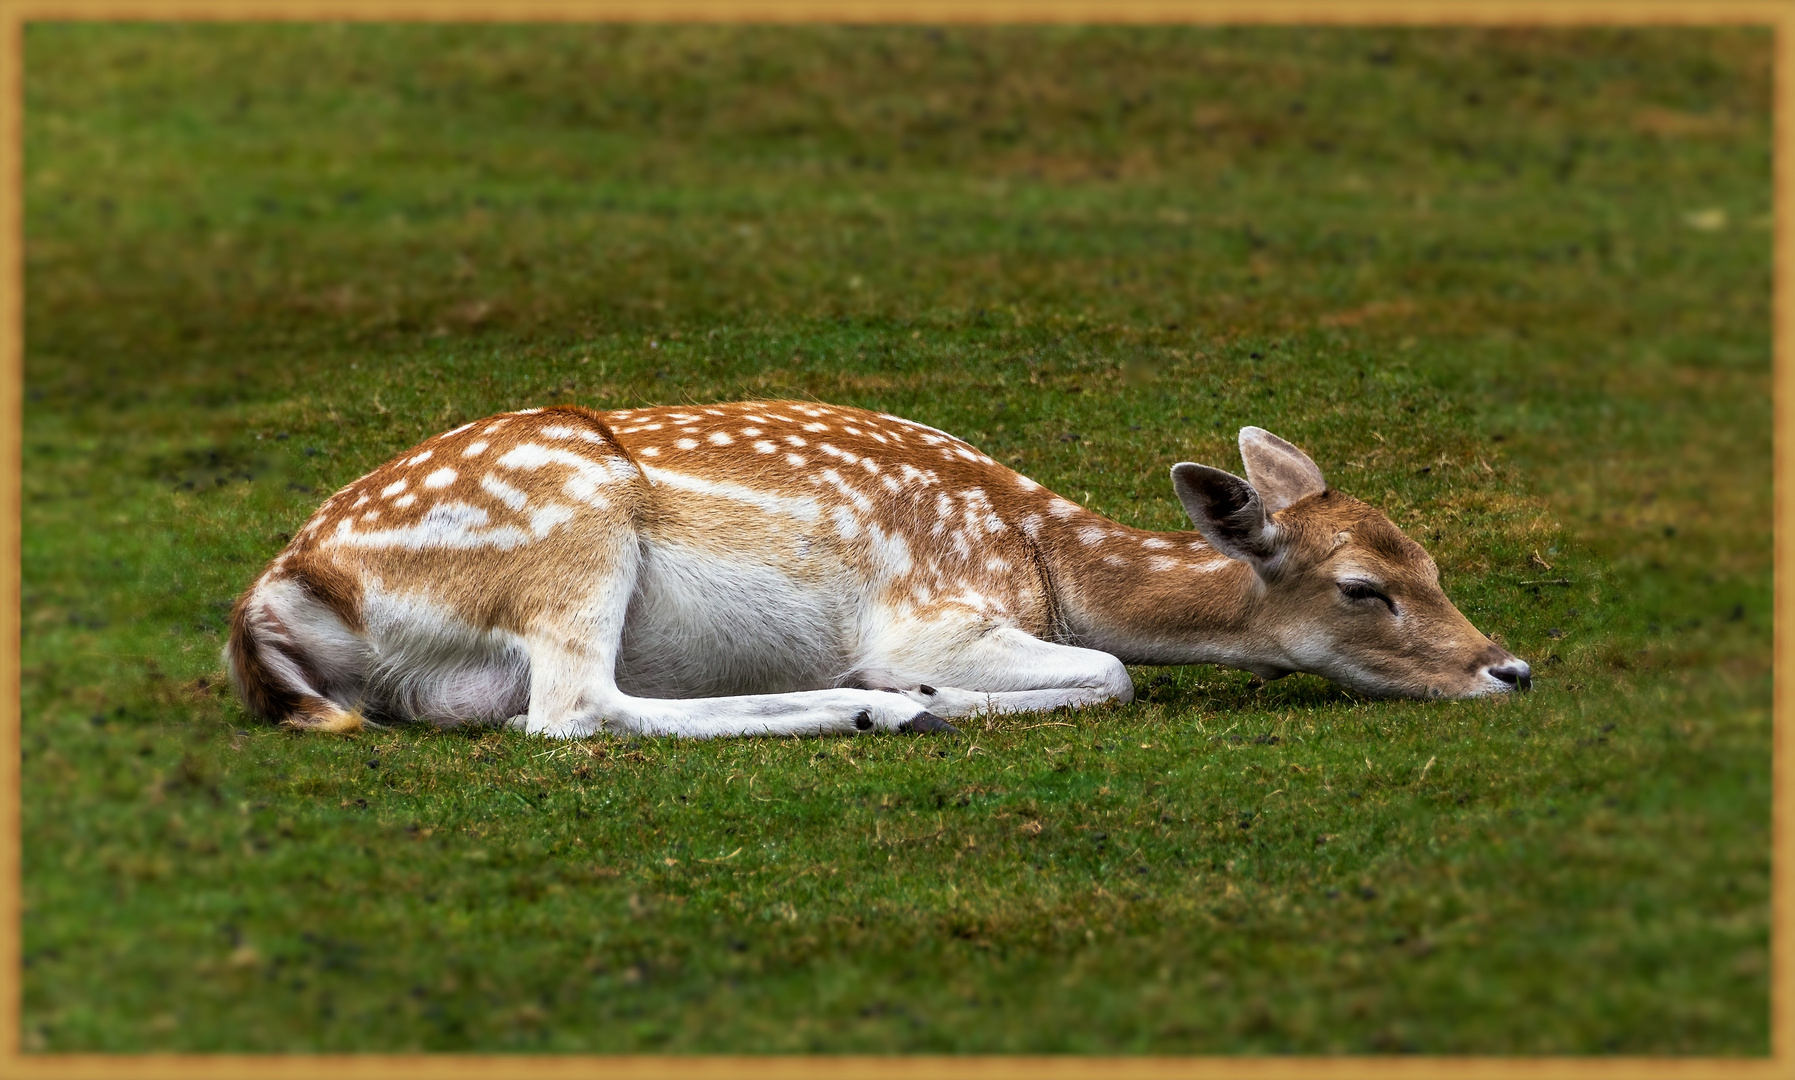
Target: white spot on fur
359	502
1115	560
393	488
544	519
687	444
446	525
834	480
804	508
796	460
404	500
750	432
795	440
441	478
764	446
1156	543
720	438
1060	508
650	451
1090	535
847	526
890	549
475	449
1162	563
504	492
816	427
586	478
419	459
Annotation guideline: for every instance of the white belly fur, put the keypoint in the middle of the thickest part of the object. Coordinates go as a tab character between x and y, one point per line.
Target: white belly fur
704	626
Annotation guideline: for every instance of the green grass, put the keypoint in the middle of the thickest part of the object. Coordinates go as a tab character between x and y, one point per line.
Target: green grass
1510	286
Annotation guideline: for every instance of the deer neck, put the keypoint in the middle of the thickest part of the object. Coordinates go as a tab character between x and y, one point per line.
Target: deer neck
1157	597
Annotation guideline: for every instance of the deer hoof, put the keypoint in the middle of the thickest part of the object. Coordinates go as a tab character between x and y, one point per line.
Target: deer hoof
928	724
864	721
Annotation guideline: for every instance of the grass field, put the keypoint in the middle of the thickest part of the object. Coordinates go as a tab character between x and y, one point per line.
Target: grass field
1512	287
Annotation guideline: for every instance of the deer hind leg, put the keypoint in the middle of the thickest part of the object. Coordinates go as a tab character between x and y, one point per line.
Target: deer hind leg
963	669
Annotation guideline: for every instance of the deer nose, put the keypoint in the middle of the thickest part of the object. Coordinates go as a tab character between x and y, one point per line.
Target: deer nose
1514	672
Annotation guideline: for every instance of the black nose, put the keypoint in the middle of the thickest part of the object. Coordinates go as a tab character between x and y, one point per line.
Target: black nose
1515	673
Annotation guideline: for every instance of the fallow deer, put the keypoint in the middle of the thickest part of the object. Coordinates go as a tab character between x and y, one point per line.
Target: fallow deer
792	568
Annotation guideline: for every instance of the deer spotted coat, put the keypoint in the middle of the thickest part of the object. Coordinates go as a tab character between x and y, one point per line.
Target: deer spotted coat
798	568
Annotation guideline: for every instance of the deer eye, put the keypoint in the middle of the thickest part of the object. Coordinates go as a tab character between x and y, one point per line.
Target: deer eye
1365	590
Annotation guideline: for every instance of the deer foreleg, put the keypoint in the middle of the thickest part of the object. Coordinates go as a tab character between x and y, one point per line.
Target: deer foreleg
1001	670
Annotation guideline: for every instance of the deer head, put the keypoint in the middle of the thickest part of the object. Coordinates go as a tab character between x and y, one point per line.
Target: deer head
1344	594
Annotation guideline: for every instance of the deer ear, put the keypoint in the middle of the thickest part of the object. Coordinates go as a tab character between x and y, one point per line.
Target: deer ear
1282	474
1227	511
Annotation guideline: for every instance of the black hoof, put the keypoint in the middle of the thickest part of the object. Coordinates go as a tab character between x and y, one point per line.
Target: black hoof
927	689
864	721
928	724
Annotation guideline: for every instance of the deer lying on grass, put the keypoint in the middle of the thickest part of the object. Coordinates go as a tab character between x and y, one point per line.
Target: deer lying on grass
786	568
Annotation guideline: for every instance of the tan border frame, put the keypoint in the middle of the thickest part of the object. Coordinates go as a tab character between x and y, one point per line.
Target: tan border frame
1778	14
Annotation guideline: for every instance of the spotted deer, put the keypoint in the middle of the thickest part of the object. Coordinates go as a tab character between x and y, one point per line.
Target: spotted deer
791	568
